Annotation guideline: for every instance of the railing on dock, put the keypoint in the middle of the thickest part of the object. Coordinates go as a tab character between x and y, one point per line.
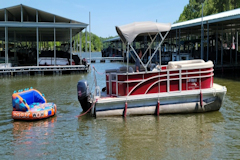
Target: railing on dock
44	68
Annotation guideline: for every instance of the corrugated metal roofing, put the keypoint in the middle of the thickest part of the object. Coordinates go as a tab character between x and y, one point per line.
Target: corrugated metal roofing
29	14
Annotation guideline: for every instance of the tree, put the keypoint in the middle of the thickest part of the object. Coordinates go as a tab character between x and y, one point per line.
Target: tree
194	8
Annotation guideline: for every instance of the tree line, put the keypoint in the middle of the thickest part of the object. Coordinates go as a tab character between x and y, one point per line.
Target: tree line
194	8
96	42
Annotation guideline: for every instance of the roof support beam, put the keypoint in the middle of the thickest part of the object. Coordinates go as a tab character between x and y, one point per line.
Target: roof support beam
37	16
207	40
54	30
42	25
6	46
80	46
6	37
21	13
86	40
216	44
37	46
222	45
5	15
236	46
179	38
70	45
15	47
90	35
54	46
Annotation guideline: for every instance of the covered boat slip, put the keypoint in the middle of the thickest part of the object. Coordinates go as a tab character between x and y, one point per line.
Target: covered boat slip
214	37
25	33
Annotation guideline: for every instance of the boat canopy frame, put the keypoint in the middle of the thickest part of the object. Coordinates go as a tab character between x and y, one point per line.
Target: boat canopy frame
129	32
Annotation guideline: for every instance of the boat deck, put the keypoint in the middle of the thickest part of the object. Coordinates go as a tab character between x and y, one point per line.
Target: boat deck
104	98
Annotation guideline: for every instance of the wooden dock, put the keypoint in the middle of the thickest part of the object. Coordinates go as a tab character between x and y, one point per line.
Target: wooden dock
42	70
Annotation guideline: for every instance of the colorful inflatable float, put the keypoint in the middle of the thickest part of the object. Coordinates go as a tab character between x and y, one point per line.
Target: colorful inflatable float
30	104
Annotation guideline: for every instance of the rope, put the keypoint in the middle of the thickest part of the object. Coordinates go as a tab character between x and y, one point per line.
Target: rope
98	72
87	110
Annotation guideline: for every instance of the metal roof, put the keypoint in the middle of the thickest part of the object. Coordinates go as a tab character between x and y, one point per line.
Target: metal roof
219	17
23	20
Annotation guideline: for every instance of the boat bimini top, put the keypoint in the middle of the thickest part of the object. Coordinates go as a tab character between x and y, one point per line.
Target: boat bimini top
129	32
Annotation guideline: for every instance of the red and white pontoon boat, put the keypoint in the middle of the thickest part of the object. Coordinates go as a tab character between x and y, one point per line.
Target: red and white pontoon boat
178	87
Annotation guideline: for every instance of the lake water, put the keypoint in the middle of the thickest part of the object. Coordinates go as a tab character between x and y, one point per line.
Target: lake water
214	135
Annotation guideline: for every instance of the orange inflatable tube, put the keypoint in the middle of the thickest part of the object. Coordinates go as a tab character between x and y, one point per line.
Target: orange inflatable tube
30	104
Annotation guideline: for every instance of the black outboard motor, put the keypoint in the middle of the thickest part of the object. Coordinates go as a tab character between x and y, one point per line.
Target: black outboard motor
83	95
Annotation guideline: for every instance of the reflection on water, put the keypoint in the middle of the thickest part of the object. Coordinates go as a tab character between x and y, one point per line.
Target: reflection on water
29	137
167	137
212	135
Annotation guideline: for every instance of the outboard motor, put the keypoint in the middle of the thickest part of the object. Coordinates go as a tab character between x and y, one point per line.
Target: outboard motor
83	95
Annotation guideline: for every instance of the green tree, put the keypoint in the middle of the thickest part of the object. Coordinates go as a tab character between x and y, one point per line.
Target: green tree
194	8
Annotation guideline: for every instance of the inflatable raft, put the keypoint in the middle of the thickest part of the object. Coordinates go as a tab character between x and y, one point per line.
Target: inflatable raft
30	104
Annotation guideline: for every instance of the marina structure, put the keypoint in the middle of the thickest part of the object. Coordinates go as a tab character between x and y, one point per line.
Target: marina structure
26	34
219	40
219	43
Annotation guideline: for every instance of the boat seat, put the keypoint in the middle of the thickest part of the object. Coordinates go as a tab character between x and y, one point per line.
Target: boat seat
186	63
110	70
22	100
123	69
32	97
208	64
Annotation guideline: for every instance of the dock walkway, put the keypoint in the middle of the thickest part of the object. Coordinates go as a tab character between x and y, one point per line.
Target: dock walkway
33	70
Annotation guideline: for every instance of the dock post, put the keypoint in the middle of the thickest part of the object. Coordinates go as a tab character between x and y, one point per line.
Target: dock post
201	99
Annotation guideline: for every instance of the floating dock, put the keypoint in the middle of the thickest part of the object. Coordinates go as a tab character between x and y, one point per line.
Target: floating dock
42	70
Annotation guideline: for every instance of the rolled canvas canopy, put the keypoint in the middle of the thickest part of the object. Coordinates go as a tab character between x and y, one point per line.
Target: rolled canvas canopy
130	31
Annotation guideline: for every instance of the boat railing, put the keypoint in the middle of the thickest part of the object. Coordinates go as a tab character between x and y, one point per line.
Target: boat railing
183	77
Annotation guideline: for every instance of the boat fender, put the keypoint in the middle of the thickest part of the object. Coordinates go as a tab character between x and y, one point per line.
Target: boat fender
201	99
104	89
125	110
158	107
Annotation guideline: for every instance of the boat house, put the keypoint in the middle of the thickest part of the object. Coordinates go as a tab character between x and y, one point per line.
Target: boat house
26	32
214	37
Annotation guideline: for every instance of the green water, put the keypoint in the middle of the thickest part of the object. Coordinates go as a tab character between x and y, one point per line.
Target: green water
214	135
